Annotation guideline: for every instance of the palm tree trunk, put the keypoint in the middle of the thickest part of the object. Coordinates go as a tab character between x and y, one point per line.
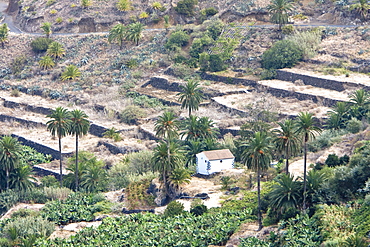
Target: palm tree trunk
259	199
304	176
287	159
7	179
60	163
76	170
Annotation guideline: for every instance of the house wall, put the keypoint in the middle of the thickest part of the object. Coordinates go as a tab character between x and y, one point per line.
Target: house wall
215	165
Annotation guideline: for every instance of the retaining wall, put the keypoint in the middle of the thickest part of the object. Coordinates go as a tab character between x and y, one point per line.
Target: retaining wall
41	171
40	148
316	81
4	118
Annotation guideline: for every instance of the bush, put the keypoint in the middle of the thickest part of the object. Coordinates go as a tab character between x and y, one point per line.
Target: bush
173	208
288	29
29	226
282	54
199	210
268	74
24	212
131	114
354	125
124	5
209	11
332	160
40	44
186	7
177	39
49	181
308	42
53	193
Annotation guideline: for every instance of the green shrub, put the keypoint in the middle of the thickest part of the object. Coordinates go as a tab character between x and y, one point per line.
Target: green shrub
54	193
40	44
209	11
24	212
18	64
49	181
253	242
268	74
182	71
27	227
137	194
308	42
332	160
131	114
4	242
186	7
354	125
7	200
199	210
124	5
75	208
214	28
282	54
177	39
288	29
173	208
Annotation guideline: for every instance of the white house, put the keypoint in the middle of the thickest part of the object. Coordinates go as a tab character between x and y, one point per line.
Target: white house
209	162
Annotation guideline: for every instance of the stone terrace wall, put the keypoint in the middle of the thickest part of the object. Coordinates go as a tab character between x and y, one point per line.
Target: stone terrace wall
316	81
39	147
4	118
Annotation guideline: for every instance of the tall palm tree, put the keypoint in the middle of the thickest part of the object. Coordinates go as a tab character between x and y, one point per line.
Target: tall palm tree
257	156
59	126
4	33
279	10
118	33
305	127
46	28
286	140
286	193
191	96
164	163
79	126
10	152
167	126
135	32
195	128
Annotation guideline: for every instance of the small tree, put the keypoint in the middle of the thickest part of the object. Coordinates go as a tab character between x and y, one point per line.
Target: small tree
283	54
10	152
279	10
70	73
191	96
46	28
134	32
117	33
56	50
46	62
4	33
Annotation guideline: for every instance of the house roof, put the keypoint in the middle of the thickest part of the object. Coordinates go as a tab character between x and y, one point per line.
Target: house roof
219	154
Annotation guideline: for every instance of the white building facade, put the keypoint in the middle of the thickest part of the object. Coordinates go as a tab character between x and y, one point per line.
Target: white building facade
209	162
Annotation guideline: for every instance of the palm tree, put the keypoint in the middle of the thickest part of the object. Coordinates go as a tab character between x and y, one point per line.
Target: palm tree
178	177
22	178
46	28
59	126
192	148
4	33
305	127
167	126
134	32
94	178
207	129
194	128
279	10
286	140
361	101
191	96
10	152
46	62
79	126
362	7
257	156
71	73
166	159
55	50
118	33
338	116
286	193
